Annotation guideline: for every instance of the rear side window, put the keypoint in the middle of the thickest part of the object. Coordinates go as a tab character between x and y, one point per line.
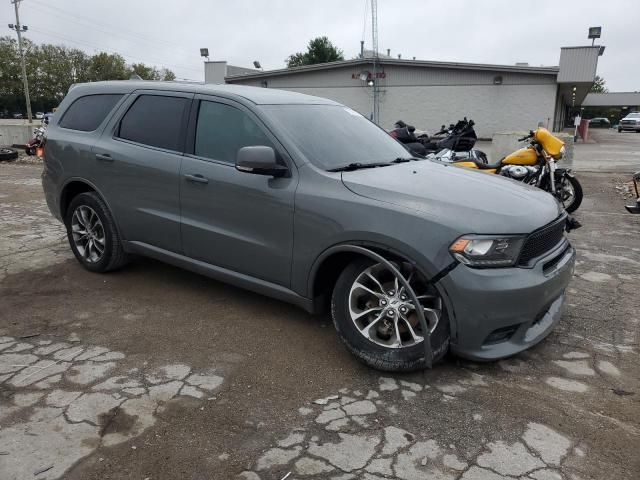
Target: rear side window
156	121
223	130
87	113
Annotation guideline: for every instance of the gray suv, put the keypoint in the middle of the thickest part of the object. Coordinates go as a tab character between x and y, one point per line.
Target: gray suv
305	200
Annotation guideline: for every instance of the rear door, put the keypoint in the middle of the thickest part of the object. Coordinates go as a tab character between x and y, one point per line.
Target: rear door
138	159
232	219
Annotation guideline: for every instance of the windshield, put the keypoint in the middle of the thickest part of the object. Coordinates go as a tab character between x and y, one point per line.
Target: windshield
332	136
633	115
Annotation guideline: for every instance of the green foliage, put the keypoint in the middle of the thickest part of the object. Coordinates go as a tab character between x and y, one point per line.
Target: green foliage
319	50
151	73
599	85
107	66
52	69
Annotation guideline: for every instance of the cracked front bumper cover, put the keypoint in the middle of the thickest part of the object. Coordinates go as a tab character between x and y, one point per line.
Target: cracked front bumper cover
501	312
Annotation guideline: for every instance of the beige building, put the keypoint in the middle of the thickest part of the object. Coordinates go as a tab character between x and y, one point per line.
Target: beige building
428	94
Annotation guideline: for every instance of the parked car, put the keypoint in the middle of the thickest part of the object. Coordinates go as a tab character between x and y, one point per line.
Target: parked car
630	123
39	115
16	115
599	122
262	189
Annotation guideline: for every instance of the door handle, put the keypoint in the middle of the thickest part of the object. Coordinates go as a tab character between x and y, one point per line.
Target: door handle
104	157
196	178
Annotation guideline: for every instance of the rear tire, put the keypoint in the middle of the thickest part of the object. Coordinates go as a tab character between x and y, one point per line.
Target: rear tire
394	359
92	234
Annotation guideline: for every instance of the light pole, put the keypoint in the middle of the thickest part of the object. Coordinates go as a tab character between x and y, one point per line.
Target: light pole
19	29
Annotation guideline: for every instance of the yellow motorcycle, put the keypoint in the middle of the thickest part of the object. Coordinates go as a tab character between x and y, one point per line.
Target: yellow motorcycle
536	165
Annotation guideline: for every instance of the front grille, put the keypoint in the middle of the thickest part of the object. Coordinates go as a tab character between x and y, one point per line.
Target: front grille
550	265
542	240
628	122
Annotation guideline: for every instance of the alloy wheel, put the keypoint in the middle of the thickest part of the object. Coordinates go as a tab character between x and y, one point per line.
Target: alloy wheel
382	311
88	234
566	193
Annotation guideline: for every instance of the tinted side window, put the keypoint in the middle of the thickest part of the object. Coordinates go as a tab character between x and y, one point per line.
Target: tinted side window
156	121
223	130
87	113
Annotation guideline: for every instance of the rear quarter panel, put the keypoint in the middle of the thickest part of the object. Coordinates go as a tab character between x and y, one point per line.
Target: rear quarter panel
68	153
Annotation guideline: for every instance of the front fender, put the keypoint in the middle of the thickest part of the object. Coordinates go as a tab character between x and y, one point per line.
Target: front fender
424	266
385	251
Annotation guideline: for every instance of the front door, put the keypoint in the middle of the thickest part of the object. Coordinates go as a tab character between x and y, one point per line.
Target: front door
232	219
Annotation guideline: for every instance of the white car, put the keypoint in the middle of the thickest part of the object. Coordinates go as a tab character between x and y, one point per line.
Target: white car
39	115
631	122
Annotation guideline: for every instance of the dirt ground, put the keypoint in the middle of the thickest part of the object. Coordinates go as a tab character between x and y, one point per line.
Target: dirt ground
157	373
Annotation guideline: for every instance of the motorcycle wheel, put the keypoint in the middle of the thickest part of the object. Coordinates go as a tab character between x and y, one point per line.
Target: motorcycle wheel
569	193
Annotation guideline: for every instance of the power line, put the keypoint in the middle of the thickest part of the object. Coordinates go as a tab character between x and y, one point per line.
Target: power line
110	29
110	50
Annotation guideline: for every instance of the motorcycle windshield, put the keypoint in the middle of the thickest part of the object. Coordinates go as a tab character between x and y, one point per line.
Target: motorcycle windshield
549	142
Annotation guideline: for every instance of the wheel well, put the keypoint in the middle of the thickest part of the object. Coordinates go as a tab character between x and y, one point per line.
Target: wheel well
331	268
70	191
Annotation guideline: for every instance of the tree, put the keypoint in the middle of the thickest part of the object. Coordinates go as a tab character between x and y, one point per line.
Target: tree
52	69
319	50
599	85
107	66
11	96
147	72
167	75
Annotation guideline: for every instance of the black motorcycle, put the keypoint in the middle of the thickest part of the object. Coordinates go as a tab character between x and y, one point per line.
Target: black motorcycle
459	138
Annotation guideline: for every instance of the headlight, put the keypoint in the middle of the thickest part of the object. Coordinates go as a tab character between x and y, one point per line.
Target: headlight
484	251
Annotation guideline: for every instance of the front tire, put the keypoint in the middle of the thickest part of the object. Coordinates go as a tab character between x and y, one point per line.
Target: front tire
569	192
93	235
363	296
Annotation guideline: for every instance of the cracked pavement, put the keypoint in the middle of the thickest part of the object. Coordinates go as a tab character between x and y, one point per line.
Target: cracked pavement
68	392
154	372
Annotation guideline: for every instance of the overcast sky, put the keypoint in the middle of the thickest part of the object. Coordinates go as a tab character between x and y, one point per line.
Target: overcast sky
240	31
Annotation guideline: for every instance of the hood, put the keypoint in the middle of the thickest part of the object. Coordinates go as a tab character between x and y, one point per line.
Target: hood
466	200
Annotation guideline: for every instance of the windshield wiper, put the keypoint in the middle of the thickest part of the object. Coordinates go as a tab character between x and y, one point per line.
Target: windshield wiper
405	159
358	166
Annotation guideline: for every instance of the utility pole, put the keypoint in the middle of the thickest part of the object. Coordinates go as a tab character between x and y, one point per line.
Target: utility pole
374	35
19	29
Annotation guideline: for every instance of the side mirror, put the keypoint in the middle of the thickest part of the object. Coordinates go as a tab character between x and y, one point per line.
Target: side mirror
259	160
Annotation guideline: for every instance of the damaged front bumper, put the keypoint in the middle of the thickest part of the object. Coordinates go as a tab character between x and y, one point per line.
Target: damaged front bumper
503	311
